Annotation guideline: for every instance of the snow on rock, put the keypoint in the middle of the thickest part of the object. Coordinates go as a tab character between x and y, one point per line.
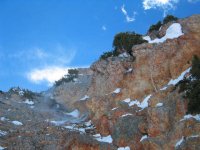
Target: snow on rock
186	117
58	123
89	123
106	139
32	107
2	148
114	108
17	123
3	119
129	70
164	88
97	135
74	113
134	102
117	90
144	103
193	136
21	93
181	77
127	100
178	143
3	133
75	80
27	101
174	31
124	148
159	104
128	114
73	127
147	38
143	137
85	98
123	55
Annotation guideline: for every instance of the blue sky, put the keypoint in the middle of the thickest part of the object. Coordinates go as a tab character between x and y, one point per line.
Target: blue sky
40	39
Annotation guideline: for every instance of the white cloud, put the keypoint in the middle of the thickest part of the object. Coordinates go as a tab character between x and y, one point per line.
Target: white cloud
104	28
128	18
43	65
49	74
163	4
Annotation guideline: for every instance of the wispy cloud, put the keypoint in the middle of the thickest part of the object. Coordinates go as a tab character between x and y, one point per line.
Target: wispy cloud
59	55
104	28
128	18
48	74
166	5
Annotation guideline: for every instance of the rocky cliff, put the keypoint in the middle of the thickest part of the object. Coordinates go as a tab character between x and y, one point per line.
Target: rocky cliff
125	102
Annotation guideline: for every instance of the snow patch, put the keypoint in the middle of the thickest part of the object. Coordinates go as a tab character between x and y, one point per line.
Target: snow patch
174	31
178	143
89	123
159	104
84	98
124	148
142	105
164	88
3	119
74	113
147	38
123	55
3	133
114	108
186	117
17	123
134	102
21	93
73	127
58	123
143	137
106	139
127	100
128	114
32	107
193	136
117	90
129	70
181	77
2	148
27	101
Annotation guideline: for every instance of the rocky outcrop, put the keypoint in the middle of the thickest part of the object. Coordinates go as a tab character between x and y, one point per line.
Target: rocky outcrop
70	92
155	65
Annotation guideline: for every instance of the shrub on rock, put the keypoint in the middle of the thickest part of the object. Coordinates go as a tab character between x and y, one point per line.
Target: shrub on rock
72	74
191	86
155	27
124	41
169	18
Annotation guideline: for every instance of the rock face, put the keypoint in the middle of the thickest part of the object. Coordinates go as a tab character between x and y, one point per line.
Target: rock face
128	103
70	92
155	65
